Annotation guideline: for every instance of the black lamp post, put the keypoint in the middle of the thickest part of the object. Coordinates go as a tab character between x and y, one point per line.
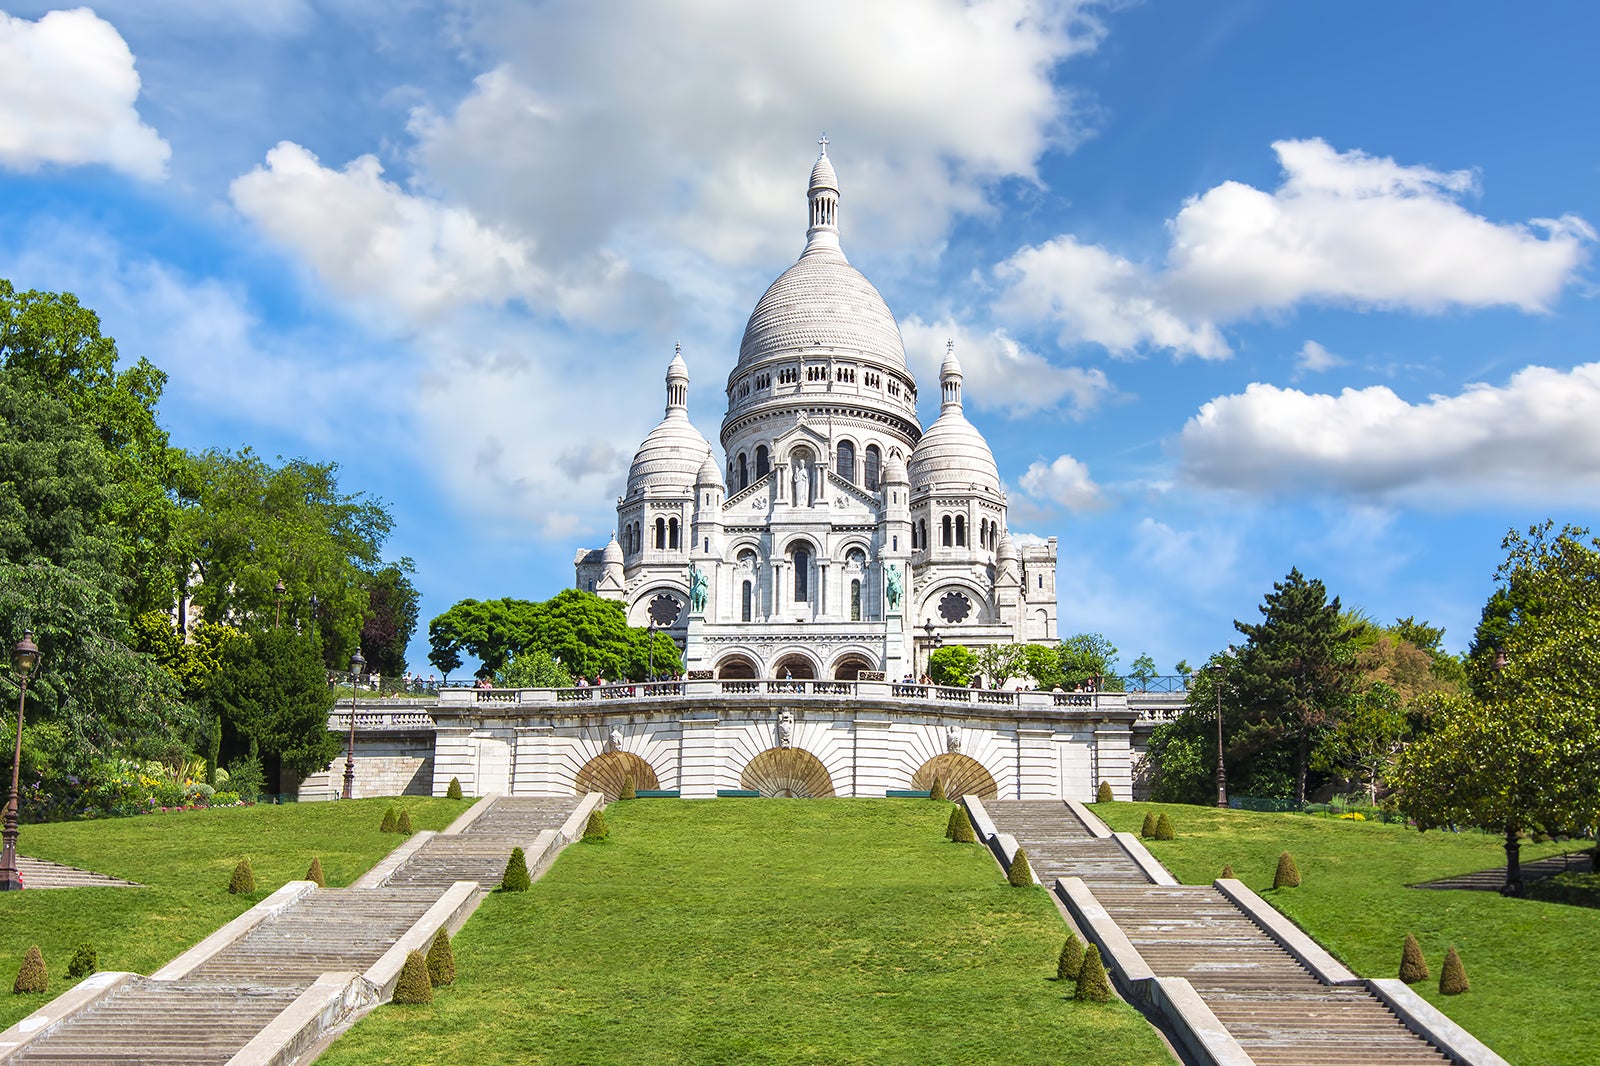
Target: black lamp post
650	629
1219	670
930	640
277	591
24	661
356	665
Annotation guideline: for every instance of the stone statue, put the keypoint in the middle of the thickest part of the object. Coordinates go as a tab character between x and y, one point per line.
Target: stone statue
952	739
697	589
799	481
893	589
614	741
785	729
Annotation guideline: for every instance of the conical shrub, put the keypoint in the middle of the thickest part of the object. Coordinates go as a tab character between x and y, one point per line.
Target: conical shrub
1148	829
516	878
630	790
1071	960
402	824
391	821
414	986
454	791
314	872
1288	875
1453	975
937	791
1164	827
1103	793
963	826
1093	984
1413	967
1021	874
32	975
85	961
1227	871
595	828
243	881
441	960
950	826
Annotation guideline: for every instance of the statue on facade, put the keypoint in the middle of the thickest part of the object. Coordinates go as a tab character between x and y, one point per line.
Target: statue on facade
893	589
614	741
697	589
952	740
800	480
785	729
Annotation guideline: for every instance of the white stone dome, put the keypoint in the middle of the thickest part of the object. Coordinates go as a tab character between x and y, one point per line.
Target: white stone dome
952	457
709	474
612	552
894	471
669	459
822	302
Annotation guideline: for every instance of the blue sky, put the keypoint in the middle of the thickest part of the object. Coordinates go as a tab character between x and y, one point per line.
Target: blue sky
1238	286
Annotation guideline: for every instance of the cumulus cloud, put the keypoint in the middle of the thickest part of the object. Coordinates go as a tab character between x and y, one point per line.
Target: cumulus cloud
1342	228
1535	438
67	94
1313	358
1065	481
999	374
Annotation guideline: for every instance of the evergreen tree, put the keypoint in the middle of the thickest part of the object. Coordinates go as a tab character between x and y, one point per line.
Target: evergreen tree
413	985
629	789
595	828
1288	874
962	833
243	881
391	821
937	791
1164	827
314	872
1093	984
1071	960
1413	966
1453	975
454	791
1020	875
1103	794
441	960
516	878
1148	829
402	824
85	961
32	976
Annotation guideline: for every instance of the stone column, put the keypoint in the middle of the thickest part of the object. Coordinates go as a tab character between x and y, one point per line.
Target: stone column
822	589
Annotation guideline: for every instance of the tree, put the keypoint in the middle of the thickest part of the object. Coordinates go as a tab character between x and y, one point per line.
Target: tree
1001	662
1088	659
952	665
1040	662
273	691
588	635
1143	671
393	606
533	668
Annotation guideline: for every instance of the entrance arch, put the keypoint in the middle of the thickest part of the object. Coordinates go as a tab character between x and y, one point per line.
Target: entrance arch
962	776
850	667
799	668
608	771
737	668
789	772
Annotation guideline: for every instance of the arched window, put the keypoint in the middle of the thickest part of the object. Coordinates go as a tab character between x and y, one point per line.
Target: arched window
746	602
802	575
983	532
914	540
672	533
874	469
855	601
944	531
961	531
661	532
923	525
761	461
744	472
844	461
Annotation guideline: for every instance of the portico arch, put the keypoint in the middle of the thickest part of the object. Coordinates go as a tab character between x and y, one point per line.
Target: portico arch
737	667
788	772
608	771
962	775
796	666
850	667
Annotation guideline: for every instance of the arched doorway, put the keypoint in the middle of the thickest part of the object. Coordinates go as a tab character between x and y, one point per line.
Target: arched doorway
962	776
607	771
851	667
795	667
737	668
788	772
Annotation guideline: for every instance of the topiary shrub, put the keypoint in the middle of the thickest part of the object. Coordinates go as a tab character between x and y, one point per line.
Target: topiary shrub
1164	827
1227	871
441	960
1288	874
963	833
1413	967
630	791
595	829
32	975
516	878
391	821
1453	975
1071	960
950	826
1021	874
1093	984
414	986
1148	829
937	791
1103	793
243	881
314	872
402	824
454	791
85	961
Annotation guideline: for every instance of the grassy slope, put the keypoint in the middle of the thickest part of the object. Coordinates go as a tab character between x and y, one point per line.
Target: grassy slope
760	931
1533	992
185	860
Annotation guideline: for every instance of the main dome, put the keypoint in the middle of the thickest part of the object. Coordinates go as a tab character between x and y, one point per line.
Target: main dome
822	302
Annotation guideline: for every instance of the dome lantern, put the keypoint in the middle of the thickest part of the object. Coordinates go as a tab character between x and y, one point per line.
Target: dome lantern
950	380
822	197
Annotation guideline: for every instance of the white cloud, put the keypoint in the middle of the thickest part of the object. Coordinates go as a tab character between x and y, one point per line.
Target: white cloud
1535	438
998	373
1065	481
1342	227
1313	358
67	94
1189	558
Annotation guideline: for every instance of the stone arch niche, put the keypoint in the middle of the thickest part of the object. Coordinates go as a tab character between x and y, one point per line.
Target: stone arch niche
788	772
737	667
962	776
607	771
798	668
850	667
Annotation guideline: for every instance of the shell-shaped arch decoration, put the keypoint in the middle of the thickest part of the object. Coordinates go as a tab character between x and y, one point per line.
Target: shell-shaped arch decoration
607	771
789	772
962	776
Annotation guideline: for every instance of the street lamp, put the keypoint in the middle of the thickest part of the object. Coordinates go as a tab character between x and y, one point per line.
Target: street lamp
650	629
1219	670
24	661
930	640
356	665
277	591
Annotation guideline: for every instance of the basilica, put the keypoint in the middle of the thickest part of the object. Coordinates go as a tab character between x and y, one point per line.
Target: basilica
838	539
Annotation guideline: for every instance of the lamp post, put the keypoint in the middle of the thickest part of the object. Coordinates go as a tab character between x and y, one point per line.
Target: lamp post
930	640
1219	670
650	629
277	591
24	661
356	665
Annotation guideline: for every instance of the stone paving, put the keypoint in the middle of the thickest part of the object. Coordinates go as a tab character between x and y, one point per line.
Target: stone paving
1279	1013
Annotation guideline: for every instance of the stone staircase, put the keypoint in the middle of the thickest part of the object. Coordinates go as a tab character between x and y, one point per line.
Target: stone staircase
480	853
1275	1008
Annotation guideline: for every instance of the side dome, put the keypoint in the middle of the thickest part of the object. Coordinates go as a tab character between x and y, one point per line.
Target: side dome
709	474
612	552
669	459
951	457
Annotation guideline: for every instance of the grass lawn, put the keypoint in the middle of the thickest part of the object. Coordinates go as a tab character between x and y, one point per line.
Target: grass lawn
185	860
1533	990
760	931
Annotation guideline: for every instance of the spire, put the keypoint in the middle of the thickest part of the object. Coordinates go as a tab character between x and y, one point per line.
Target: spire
950	380
822	194
677	382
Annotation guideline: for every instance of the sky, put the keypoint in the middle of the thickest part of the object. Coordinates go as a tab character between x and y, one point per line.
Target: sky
1237	286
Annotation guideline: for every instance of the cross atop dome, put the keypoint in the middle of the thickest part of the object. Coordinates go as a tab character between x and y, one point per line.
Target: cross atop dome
823	141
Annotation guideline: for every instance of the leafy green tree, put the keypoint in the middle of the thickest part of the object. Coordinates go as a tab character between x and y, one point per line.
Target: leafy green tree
1040	662
191	663
588	635
1143	671
272	691
1088	659
533	668
1366	738
1001	662
952	665
393	606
